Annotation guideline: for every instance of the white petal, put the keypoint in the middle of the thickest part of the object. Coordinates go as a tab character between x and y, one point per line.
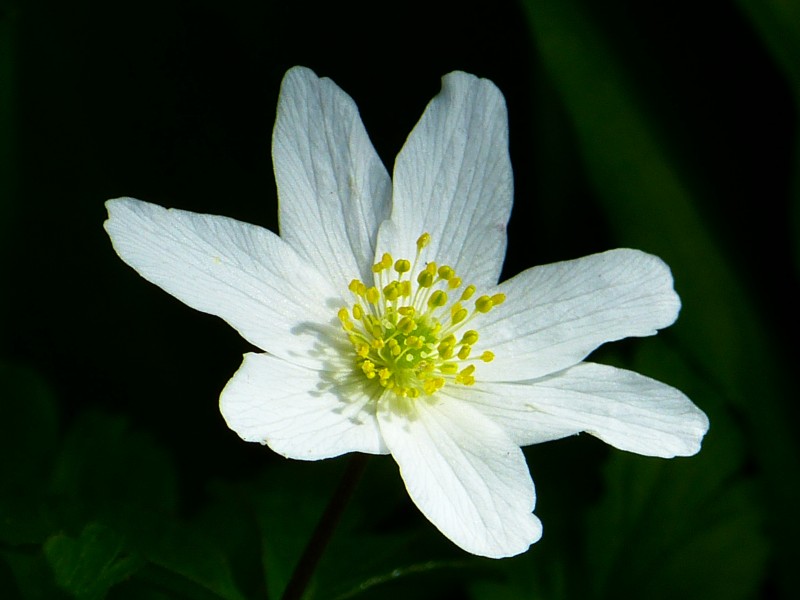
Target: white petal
453	180
334	191
245	274
627	410
465	475
300	413
507	405
555	315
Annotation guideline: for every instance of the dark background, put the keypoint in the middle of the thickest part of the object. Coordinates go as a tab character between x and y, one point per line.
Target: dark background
173	102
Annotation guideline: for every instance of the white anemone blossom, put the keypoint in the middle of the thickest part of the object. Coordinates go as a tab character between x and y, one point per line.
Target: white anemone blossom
383	326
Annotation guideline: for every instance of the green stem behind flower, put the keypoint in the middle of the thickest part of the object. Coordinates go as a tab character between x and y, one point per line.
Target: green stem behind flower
324	531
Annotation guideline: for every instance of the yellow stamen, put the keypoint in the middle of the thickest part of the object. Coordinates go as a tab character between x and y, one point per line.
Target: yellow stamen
446	273
483	304
470	337
437	299
401	341
402	265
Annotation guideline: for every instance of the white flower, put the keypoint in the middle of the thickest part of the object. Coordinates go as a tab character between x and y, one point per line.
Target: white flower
383	325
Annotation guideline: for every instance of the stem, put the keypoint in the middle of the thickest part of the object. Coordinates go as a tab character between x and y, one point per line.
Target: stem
324	531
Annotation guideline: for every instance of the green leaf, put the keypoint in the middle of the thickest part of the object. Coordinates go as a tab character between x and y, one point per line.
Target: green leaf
88	566
28	434
288	503
529	577
228	521
108	471
33	577
651	204
184	560
778	24
423	579
9	168
689	527
357	563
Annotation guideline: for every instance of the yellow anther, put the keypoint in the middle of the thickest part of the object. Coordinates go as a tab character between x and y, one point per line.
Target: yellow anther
392	291
459	315
431	268
406	325
358	312
446	273
413	341
463	354
384	373
423	240
454	283
402	265
372	295
362	350
384	263
369	369
437	299
450	368
483	304
470	337
378	343
405	288
373	325
498	299
466	377
433	385
357	287
467	293
425	279
407	311
487	356
344	317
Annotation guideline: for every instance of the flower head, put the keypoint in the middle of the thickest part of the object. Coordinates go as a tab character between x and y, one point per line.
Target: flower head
384	327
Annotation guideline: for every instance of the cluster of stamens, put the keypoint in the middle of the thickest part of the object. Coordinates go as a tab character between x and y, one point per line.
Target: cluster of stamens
407	332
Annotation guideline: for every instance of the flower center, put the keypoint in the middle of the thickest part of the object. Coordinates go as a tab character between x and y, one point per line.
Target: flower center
408	334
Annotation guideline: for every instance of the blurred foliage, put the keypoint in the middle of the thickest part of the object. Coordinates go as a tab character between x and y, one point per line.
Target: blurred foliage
778	25
671	129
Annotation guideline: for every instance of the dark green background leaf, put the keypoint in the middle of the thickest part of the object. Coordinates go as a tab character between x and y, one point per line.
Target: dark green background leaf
89	565
672	129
